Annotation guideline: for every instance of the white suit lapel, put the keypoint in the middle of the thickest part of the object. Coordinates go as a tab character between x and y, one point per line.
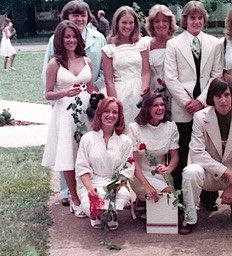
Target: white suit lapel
184	47
206	47
228	148
212	128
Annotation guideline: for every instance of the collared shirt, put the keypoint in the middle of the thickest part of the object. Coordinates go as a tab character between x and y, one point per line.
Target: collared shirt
191	37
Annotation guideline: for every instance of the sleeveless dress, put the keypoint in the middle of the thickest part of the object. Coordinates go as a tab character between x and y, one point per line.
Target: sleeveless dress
61	148
156	61
127	69
7	49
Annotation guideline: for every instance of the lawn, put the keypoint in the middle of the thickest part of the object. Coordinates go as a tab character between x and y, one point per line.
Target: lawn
24	192
24	183
25	83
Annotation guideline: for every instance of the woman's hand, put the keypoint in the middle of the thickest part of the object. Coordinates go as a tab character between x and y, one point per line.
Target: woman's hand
151	193
93	192
161	169
75	90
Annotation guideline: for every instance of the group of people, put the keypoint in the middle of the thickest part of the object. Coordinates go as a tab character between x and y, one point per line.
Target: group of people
164	95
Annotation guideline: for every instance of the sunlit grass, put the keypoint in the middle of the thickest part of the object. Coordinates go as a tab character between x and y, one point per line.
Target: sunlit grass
24	192
25	83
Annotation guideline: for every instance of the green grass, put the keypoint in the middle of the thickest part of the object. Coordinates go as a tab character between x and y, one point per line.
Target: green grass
24	192
25	83
24	183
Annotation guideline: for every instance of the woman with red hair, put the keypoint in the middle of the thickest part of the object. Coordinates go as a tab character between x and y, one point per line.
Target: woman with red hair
103	154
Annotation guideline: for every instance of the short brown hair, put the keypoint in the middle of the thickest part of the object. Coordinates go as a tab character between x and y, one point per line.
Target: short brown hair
217	87
190	8
102	105
59	49
76	7
144	115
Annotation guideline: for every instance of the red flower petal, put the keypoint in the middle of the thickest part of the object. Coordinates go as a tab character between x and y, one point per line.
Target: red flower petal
131	159
142	146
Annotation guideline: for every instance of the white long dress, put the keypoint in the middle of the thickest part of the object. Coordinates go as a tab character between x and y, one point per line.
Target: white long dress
159	140
61	148
93	157
127	69
7	49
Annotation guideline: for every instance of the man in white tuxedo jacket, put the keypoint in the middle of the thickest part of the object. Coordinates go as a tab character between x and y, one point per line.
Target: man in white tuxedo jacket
210	151
187	77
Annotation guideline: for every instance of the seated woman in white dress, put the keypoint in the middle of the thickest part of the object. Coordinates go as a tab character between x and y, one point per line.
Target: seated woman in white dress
153	132
103	154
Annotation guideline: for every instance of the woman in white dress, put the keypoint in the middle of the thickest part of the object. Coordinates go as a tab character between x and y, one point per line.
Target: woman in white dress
7	50
66	72
161	26
125	62
152	130
102	153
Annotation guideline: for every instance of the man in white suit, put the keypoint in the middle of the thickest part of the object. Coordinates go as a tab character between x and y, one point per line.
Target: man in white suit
187	77
210	151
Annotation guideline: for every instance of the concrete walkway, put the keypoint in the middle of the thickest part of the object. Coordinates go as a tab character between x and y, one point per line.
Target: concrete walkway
22	136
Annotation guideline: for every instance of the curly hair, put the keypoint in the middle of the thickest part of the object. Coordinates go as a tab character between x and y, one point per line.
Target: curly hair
114	33
228	25
60	52
144	116
103	104
154	11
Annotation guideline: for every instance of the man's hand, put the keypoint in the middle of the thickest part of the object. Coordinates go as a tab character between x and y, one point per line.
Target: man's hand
228	175
227	195
193	106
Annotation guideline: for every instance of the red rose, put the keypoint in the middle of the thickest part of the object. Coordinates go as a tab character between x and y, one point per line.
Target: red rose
142	146
131	159
160	81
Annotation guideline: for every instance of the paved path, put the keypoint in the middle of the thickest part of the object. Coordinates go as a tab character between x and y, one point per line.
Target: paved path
21	136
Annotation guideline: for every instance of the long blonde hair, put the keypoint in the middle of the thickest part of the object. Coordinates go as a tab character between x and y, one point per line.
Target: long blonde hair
162	9
114	34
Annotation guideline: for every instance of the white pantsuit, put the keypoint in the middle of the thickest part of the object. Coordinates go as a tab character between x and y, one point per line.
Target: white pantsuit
209	162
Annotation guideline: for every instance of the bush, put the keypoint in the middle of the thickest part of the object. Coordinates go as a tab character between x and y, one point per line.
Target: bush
5	117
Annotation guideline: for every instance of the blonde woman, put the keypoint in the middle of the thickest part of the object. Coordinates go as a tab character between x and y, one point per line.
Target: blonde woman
125	61
160	26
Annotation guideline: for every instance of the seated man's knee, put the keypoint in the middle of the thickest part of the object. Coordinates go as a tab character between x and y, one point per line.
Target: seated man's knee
192	171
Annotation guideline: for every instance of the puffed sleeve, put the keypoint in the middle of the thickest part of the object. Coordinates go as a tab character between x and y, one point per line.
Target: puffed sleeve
134	135
174	136
82	161
142	45
108	50
126	154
